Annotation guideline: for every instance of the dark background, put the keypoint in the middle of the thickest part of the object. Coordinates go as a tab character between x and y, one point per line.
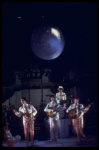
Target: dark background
78	22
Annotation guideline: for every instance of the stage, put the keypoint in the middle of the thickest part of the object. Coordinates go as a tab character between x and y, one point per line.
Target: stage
89	141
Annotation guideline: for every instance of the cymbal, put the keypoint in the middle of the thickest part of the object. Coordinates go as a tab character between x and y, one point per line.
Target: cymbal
49	95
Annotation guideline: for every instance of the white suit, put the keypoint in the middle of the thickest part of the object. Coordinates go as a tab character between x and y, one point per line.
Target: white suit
28	121
60	96
53	122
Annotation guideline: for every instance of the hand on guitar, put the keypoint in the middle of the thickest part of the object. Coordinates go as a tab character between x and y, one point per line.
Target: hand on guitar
88	107
27	114
51	111
74	114
81	112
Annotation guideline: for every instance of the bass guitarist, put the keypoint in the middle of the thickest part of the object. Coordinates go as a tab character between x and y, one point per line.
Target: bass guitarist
52	110
77	122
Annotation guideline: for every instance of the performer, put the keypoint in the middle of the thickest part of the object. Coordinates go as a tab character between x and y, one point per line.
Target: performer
61	99
60	95
78	123
28	112
52	109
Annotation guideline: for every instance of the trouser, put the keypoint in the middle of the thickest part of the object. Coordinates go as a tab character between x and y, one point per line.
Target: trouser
53	128
29	127
78	125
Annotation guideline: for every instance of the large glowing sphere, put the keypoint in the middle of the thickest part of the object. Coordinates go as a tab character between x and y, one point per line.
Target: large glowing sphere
47	42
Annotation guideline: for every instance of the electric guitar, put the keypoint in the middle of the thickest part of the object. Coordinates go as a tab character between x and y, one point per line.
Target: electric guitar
7	135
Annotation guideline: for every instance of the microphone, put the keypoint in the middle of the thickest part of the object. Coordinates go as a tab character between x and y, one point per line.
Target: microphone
76	104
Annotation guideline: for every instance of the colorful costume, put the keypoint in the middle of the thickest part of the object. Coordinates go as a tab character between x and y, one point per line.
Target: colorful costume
78	123
28	111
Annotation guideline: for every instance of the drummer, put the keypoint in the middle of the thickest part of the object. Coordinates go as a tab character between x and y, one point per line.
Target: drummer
60	95
61	99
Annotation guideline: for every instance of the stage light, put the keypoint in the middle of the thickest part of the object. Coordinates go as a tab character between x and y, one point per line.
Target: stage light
55	32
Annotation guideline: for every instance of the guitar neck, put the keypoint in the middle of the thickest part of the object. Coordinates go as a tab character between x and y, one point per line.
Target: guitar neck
52	107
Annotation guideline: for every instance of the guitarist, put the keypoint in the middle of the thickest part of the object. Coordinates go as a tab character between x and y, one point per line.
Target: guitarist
28	112
53	121
78	123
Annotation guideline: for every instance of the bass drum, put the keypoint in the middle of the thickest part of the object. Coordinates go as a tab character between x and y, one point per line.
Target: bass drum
63	114
64	128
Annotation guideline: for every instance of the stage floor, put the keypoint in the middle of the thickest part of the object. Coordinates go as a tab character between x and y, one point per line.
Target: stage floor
89	141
